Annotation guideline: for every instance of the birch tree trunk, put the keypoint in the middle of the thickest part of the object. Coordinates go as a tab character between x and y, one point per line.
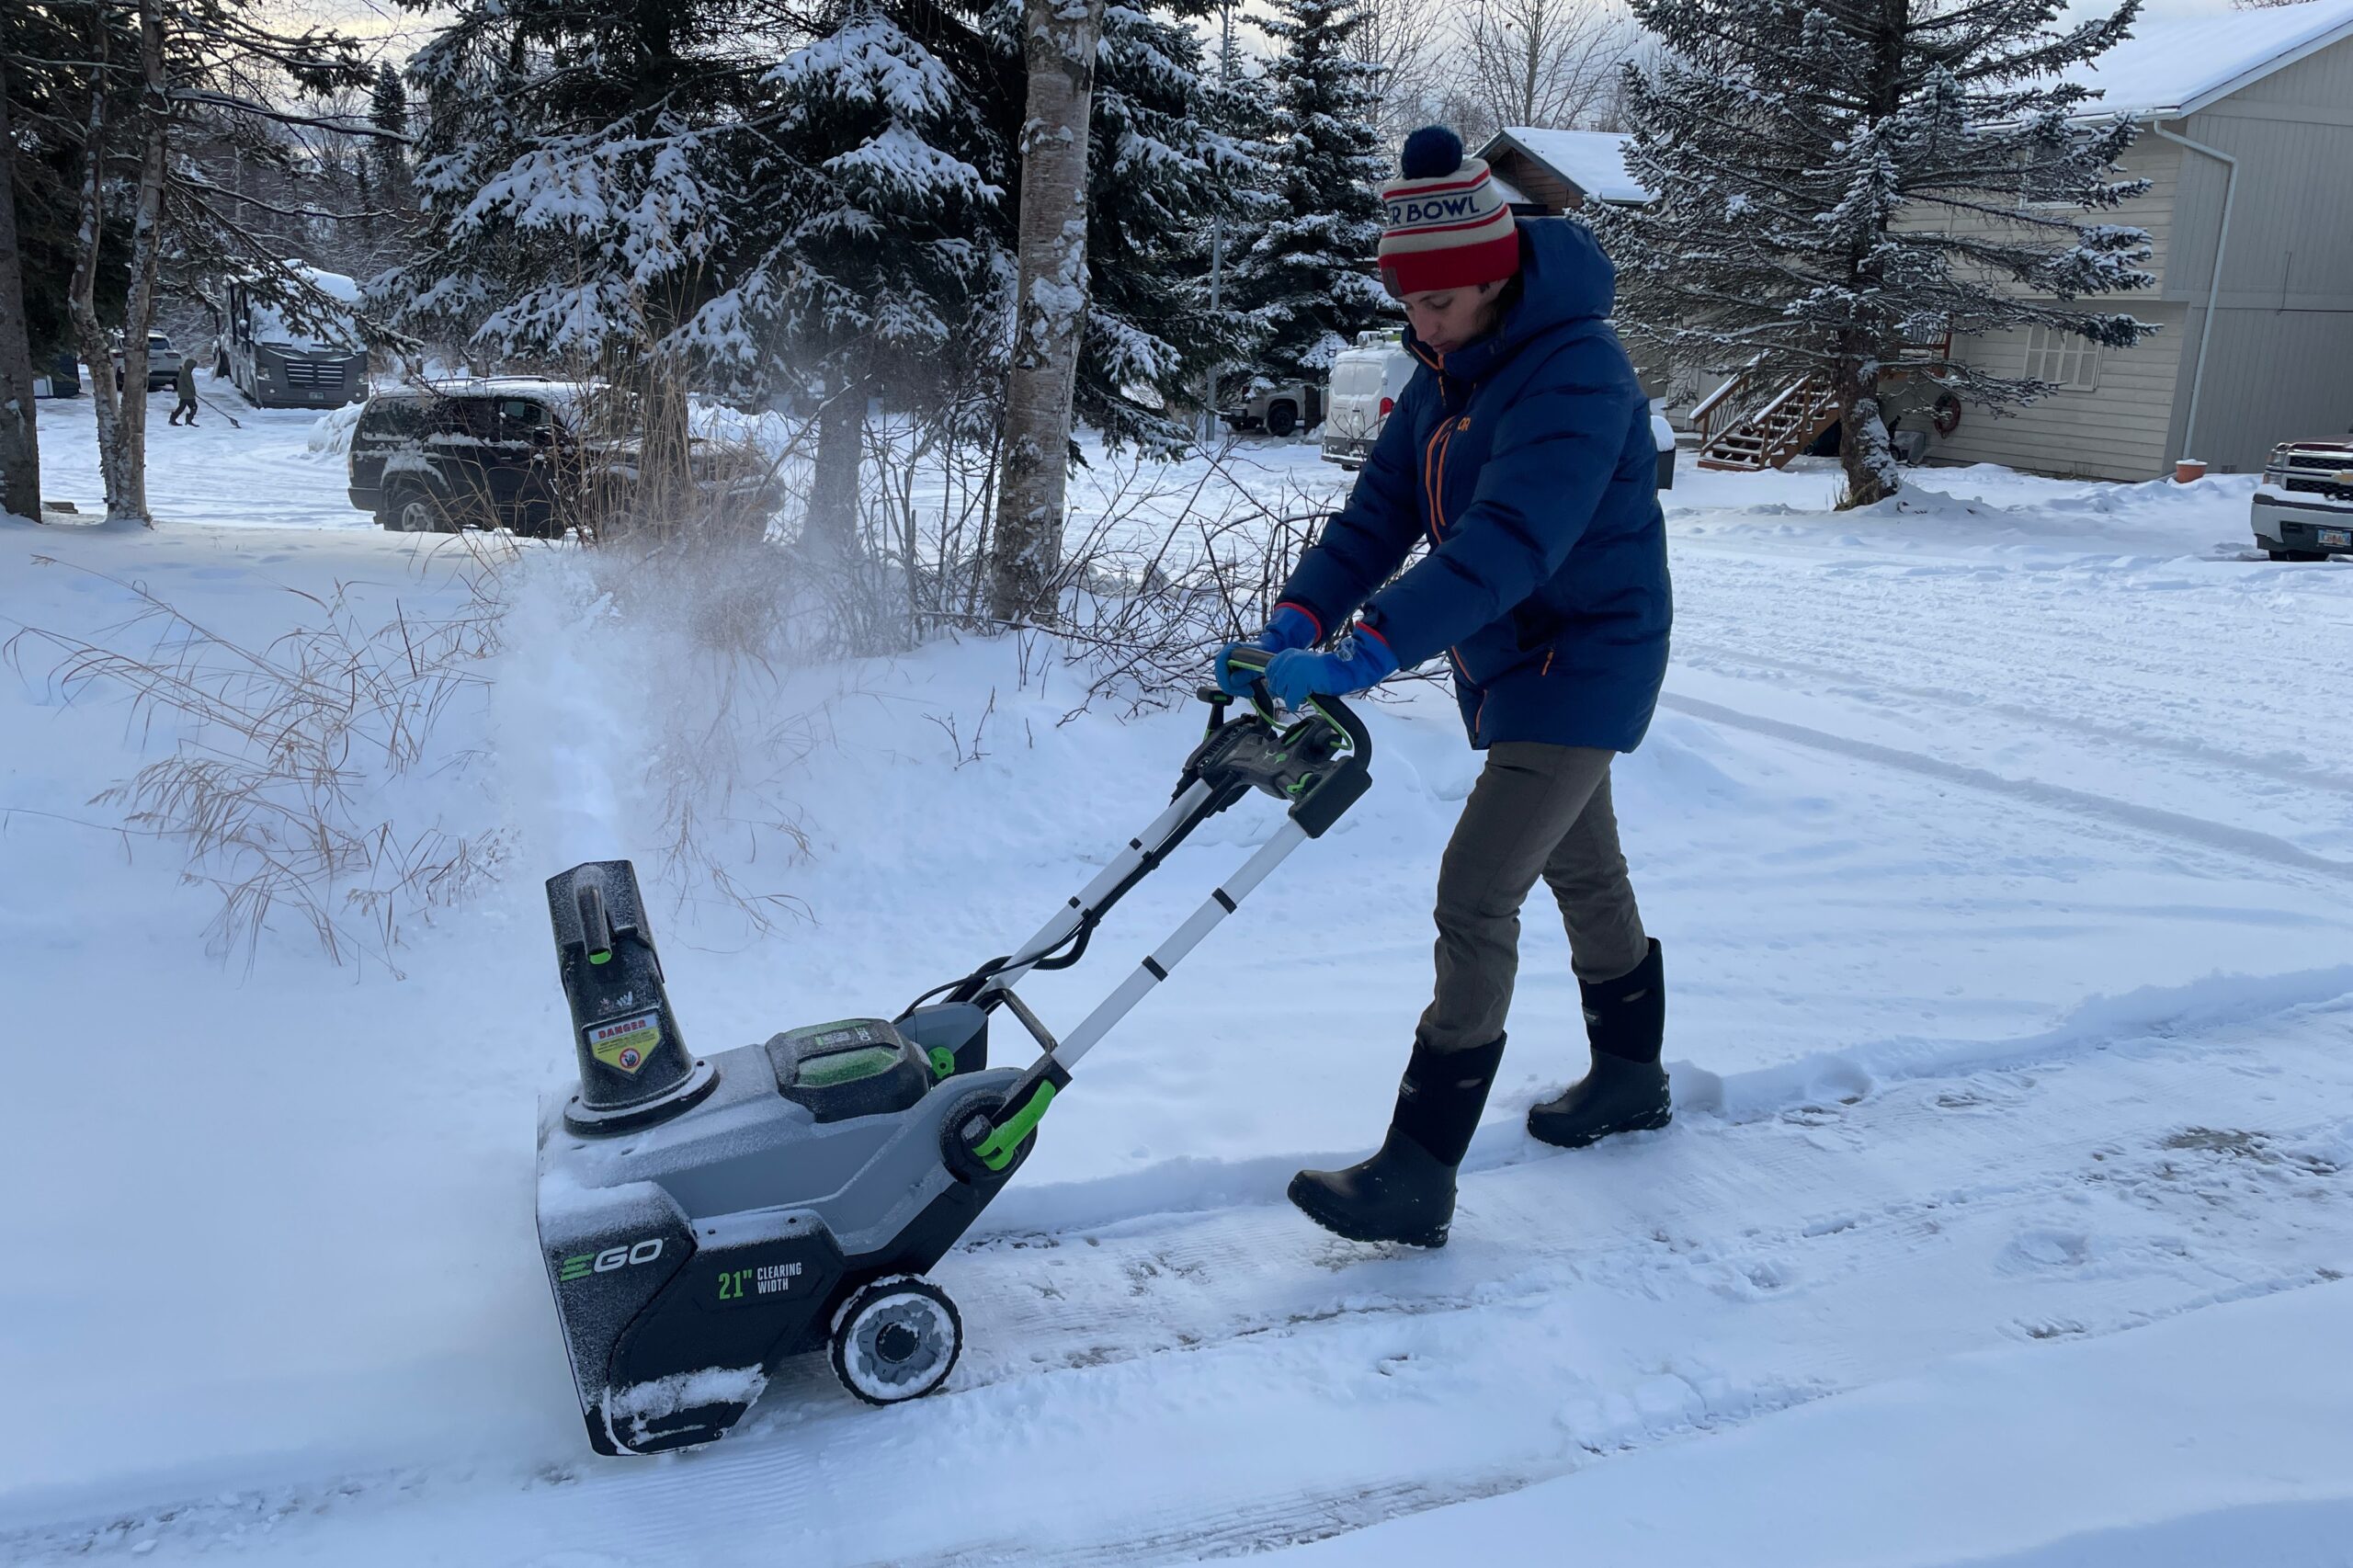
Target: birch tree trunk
1050	309
90	337
19	439
122	416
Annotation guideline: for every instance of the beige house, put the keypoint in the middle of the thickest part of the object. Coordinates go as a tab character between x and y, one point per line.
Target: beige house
2247	140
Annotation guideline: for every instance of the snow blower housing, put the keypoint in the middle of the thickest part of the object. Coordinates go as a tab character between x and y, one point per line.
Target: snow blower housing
704	1218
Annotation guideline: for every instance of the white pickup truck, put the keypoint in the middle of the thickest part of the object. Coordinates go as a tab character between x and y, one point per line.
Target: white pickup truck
2304	508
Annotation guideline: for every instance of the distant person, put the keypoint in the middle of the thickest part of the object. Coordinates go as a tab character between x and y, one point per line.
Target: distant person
185	381
1521	452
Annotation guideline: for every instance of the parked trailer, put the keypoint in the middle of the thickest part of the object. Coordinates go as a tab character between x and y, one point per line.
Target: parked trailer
277	363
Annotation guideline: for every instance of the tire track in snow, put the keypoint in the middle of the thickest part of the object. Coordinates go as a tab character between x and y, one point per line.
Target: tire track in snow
2202	658
1673	1285
2302	776
2246	844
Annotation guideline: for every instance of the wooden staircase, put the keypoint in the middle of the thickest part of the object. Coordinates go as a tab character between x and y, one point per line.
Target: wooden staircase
1762	417
1758	421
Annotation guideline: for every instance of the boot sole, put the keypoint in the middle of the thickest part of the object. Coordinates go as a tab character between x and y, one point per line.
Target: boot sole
1586	1140
1431	1238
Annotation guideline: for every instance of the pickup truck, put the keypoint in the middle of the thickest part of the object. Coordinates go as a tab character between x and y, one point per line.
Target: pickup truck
2304	508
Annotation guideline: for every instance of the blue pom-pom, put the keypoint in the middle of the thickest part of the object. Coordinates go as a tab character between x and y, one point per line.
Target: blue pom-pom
1429	153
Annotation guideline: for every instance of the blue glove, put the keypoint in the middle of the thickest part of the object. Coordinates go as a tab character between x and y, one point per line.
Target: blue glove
1290	627
1360	659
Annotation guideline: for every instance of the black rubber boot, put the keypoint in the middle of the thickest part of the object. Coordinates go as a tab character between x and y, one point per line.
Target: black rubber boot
1406	1193
1625	1019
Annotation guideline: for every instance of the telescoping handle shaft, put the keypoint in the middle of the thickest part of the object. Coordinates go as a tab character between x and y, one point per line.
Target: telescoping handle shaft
1318	763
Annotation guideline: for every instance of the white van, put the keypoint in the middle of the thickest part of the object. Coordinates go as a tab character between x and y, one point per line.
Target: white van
1367	382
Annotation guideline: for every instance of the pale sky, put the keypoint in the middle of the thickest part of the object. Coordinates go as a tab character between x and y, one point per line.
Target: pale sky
396	33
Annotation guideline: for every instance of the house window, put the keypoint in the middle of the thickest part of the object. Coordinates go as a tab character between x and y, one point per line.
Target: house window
2061	358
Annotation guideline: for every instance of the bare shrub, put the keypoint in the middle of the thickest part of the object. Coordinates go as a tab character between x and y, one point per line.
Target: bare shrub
280	746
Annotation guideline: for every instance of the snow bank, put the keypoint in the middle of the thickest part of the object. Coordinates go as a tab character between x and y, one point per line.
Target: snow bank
330	439
2217	1437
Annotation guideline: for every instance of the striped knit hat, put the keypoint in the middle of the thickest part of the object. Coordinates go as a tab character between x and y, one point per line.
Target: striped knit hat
1447	226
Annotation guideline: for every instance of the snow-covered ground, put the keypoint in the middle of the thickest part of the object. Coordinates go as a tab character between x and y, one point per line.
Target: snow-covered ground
2001	841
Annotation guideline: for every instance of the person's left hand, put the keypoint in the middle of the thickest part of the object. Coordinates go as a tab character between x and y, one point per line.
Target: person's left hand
1360	659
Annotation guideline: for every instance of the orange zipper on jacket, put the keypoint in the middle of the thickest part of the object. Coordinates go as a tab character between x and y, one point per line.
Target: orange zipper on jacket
1433	490
1434	482
1433	472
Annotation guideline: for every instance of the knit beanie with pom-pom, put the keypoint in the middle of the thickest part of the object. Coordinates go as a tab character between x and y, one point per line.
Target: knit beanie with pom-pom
1447	226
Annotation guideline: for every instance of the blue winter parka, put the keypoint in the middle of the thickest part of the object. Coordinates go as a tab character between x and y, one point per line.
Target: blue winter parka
1525	460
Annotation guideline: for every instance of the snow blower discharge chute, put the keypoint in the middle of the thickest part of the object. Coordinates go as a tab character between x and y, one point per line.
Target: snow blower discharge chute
704	1218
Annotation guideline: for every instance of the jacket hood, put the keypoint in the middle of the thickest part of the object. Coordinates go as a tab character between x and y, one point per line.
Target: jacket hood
1563	278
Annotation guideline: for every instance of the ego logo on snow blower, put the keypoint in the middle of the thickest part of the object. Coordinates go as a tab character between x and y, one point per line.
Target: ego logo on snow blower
581	1265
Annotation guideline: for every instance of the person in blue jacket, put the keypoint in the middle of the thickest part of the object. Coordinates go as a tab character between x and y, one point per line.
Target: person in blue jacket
1521	454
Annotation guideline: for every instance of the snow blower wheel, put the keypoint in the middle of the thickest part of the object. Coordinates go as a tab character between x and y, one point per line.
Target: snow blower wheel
896	1340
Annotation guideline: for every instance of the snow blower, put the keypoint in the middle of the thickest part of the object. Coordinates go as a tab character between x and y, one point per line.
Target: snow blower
704	1218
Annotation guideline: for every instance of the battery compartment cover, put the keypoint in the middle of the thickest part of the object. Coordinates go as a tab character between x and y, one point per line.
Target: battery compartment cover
847	1068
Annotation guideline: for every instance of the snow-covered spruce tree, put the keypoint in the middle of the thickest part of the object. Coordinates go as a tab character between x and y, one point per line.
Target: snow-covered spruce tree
388	112
1162	165
883	184
1304	277
1838	181
573	173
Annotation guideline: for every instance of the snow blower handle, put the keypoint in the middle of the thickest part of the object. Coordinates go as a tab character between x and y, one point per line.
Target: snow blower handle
1318	764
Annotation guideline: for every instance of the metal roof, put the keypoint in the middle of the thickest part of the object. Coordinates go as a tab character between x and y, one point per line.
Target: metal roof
2177	66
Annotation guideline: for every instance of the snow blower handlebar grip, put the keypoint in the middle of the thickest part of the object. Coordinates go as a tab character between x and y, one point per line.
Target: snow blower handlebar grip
1251	661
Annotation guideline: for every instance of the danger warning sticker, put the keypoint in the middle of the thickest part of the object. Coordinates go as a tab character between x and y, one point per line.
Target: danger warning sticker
625	1043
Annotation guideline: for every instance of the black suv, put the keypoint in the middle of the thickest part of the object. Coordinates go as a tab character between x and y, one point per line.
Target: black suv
508	453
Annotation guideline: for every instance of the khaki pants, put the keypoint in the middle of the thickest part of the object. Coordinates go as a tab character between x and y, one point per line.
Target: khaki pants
1536	811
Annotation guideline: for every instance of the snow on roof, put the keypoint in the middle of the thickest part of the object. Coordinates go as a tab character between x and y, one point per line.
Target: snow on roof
2178	66
497	386
271	325
333	285
1593	161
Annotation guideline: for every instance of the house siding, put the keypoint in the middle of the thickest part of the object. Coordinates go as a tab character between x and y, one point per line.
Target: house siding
2116	430
2158	162
2279	360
